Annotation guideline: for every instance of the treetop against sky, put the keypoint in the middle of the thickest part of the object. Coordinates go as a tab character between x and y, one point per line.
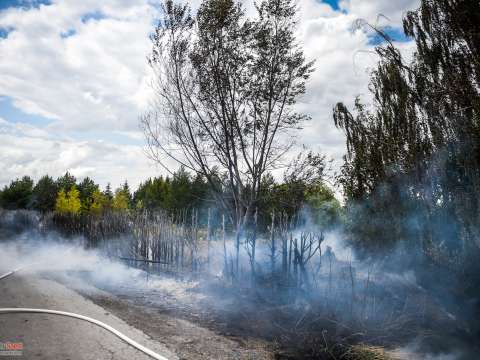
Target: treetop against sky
75	80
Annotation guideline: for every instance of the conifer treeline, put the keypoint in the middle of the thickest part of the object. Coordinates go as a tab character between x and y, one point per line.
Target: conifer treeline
182	191
67	195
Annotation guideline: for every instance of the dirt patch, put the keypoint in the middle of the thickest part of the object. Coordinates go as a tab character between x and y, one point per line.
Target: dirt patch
185	338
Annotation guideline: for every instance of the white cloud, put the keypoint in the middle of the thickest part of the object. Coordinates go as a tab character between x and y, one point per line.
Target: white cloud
90	79
95	81
28	150
343	62
370	10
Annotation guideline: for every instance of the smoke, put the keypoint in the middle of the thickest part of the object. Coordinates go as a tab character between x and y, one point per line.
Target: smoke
381	297
26	245
335	240
48	256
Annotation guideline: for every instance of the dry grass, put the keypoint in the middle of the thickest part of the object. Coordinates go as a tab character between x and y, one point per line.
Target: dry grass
368	352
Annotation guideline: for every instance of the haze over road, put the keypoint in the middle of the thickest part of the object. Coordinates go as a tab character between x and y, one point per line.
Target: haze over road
56	337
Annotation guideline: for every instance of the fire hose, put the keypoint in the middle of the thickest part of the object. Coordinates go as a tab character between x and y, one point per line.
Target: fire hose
80	317
10	273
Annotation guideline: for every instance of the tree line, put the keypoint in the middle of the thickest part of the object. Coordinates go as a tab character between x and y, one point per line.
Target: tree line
181	191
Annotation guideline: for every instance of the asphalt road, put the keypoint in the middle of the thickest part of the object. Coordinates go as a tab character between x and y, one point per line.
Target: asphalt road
52	337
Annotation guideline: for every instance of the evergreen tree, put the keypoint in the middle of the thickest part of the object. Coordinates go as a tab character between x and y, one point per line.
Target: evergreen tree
44	194
153	194
128	193
66	182
108	198
18	195
108	192
180	195
86	188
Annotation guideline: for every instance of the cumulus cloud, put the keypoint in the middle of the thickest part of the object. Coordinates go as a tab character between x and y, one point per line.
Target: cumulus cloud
386	12
82	64
26	149
93	78
344	59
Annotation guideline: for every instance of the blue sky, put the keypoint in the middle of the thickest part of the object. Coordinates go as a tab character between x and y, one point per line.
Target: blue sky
332	3
75	81
13	114
26	4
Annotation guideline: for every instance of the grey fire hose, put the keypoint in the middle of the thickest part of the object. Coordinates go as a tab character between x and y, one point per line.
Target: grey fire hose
80	317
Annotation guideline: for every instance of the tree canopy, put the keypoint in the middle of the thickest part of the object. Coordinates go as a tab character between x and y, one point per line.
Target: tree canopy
413	163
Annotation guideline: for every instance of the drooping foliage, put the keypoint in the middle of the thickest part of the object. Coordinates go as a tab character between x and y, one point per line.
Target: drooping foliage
413	160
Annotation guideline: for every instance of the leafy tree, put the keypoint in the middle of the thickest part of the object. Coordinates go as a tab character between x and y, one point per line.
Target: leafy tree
416	154
226	87
68	203
18	195
61	203
86	189
120	200
44	194
98	202
325	208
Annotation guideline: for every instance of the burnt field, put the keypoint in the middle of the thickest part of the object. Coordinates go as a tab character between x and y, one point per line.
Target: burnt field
332	306
407	322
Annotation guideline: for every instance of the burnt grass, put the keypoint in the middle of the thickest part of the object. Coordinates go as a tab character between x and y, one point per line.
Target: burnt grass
303	328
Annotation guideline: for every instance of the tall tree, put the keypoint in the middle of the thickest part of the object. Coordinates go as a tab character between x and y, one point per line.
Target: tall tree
226	86
416	155
44	194
120	201
66	182
68	202
108	192
128	193
153	194
18	195
86	189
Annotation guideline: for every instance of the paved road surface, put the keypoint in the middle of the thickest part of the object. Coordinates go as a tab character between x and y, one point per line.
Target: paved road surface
51	337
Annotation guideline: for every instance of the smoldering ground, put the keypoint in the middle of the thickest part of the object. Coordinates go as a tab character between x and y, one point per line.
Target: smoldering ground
338	299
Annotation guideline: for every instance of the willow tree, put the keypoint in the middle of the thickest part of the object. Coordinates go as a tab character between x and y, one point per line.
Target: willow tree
416	155
225	86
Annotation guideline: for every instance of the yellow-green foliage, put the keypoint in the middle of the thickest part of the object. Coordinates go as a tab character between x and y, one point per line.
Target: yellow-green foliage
68	203
326	209
120	200
61	204
98	202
